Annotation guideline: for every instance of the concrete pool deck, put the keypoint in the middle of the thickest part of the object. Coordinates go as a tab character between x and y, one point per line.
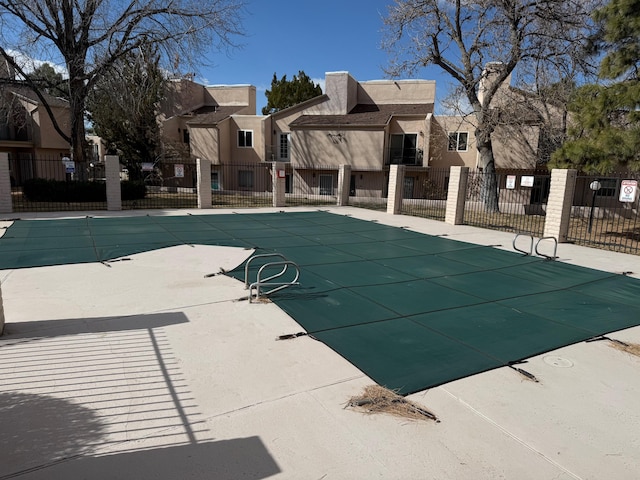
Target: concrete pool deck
147	369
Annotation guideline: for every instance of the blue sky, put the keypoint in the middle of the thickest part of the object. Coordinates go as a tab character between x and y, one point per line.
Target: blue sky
286	36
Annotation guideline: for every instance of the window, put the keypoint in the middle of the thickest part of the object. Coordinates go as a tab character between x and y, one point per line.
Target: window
245	178
404	149
185	136
283	152
215	181
245	138
326	184
458	141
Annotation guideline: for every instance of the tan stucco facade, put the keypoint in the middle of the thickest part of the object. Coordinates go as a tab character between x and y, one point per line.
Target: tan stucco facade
36	136
366	126
440	154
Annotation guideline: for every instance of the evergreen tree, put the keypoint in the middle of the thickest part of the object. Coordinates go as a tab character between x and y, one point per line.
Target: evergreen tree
606	130
285	93
47	80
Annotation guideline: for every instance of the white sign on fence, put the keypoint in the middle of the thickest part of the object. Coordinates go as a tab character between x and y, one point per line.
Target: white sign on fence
179	170
511	182
526	181
628	190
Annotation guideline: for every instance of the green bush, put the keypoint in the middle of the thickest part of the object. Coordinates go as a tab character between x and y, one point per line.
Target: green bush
132	190
42	190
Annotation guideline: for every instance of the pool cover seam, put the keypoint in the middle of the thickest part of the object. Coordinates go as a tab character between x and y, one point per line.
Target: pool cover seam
408	316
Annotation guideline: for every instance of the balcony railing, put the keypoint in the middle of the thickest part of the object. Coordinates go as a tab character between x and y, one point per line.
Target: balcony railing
404	156
10	133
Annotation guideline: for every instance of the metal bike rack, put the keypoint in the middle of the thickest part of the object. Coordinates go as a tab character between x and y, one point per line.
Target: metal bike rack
283	266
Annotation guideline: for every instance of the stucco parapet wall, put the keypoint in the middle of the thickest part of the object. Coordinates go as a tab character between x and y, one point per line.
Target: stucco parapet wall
407	91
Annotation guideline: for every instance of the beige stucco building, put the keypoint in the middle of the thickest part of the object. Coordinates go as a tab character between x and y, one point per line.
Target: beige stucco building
366	126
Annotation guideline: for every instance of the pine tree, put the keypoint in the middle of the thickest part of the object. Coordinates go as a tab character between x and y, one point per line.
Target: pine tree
285	94
606	131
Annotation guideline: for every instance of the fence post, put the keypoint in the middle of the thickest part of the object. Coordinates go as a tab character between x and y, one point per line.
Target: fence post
344	182
558	215
396	184
112	177
278	179
6	205
456	195
203	171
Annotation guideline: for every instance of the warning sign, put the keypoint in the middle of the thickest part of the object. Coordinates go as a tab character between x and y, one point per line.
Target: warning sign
628	190
179	170
511	182
526	181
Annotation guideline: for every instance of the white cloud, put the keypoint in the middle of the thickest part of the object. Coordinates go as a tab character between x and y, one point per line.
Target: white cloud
29	64
319	81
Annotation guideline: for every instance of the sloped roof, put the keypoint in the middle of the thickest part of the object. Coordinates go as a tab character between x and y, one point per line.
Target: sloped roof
29	95
364	115
211	115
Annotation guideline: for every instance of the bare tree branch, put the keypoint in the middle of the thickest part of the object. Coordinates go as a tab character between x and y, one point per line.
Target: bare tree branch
90	36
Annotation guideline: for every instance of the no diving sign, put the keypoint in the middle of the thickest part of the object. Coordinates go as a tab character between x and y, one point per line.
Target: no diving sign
628	190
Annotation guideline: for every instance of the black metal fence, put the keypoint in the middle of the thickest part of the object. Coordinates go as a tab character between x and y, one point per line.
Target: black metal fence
605	212
241	185
168	184
521	198
59	184
369	188
55	184
424	192
316	186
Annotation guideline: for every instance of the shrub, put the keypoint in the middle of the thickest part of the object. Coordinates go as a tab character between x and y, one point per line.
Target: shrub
132	190
43	190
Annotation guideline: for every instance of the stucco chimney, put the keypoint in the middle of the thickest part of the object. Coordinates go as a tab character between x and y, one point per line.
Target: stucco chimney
342	90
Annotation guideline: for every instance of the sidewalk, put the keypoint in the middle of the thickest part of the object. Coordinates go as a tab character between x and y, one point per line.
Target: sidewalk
148	369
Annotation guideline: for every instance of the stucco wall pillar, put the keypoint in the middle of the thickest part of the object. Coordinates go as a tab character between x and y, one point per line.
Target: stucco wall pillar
6	205
344	182
563	184
112	176
396	185
279	181
203	171
456	195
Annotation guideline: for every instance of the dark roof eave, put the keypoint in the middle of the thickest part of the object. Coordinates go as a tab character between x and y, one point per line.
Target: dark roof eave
333	126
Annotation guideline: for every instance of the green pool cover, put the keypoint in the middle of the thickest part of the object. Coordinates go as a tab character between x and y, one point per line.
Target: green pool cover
412	311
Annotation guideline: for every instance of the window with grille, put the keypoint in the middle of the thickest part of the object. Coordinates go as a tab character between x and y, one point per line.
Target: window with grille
458	141
245	138
284	146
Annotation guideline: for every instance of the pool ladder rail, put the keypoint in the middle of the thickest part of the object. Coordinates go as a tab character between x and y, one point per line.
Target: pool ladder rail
537	244
283	265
